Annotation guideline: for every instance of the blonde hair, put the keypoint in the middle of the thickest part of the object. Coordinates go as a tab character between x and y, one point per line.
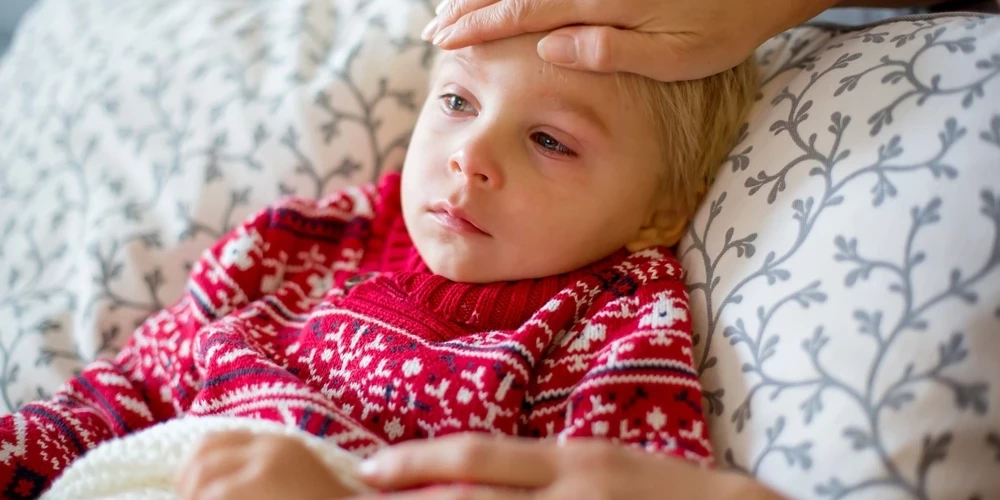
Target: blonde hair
698	121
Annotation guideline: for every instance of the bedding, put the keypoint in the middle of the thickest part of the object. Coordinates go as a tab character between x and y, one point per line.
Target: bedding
843	269
144	466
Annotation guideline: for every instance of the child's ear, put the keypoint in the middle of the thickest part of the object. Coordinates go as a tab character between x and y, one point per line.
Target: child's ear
664	226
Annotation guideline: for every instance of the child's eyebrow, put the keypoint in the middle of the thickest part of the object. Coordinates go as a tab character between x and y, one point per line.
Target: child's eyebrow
556	100
466	64
586	111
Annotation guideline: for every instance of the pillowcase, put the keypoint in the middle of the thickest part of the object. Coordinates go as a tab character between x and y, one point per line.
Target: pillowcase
845	268
842	270
133	134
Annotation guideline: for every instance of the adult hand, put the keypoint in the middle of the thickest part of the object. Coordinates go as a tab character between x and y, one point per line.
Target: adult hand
663	39
246	466
483	467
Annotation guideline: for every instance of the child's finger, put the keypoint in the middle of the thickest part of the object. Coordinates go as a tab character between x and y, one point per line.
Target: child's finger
208	451
226	439
200	472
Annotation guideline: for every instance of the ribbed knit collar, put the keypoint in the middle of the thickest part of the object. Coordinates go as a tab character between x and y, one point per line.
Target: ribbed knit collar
502	305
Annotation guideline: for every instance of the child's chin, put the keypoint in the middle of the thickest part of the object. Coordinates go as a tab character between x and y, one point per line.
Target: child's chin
459	273
460	270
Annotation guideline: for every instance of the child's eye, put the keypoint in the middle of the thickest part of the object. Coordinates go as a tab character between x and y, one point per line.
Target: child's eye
551	144
456	104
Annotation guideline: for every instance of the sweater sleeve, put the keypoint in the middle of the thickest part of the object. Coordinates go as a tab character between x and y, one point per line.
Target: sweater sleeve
626	373
154	378
151	380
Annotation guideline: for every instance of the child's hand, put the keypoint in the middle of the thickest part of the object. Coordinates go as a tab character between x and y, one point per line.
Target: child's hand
246	466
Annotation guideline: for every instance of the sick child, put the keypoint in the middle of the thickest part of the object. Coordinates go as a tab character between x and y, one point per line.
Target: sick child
514	279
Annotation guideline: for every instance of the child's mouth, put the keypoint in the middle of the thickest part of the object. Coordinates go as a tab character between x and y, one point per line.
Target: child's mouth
456	219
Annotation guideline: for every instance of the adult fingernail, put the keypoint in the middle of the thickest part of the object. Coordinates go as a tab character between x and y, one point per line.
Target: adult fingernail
558	49
368	468
440	7
443	35
430	29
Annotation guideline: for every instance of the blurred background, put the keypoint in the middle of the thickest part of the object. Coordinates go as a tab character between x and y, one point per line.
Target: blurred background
10	12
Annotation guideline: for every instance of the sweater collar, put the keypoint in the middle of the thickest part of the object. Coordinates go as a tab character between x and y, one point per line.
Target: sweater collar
489	306
502	305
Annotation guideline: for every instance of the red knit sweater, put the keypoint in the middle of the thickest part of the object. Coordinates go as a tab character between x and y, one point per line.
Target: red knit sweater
322	315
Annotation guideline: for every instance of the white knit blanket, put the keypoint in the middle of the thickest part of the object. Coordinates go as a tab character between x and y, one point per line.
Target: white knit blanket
145	465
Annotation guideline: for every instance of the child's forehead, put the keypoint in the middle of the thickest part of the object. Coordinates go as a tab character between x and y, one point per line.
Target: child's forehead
514	63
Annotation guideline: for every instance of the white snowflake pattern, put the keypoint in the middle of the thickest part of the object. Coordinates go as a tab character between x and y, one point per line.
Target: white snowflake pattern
665	312
320	285
595	333
611	355
600	428
649	253
656	418
271	282
412	367
394	429
237	250
464	396
366	360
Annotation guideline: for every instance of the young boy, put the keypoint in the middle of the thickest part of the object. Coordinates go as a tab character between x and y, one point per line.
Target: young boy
515	279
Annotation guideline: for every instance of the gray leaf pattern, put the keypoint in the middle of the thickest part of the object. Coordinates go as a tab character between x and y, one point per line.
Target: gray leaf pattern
126	152
843	271
867	182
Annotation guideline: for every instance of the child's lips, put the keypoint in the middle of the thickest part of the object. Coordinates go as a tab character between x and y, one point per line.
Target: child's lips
456	219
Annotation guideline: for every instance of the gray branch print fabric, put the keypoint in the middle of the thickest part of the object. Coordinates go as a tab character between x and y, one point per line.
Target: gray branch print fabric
843	269
134	133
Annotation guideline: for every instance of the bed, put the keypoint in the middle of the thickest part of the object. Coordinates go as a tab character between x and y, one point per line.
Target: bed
844	270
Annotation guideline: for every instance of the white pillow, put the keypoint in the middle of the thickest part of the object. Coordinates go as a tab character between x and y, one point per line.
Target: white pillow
845	268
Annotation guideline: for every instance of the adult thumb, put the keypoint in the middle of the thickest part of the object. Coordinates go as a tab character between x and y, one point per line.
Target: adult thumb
661	56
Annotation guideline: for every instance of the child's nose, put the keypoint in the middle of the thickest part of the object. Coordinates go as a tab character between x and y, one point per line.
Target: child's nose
477	161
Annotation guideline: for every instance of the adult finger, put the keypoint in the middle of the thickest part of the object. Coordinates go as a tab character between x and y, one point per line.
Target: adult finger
448	11
506	18
457	492
661	56
472	458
